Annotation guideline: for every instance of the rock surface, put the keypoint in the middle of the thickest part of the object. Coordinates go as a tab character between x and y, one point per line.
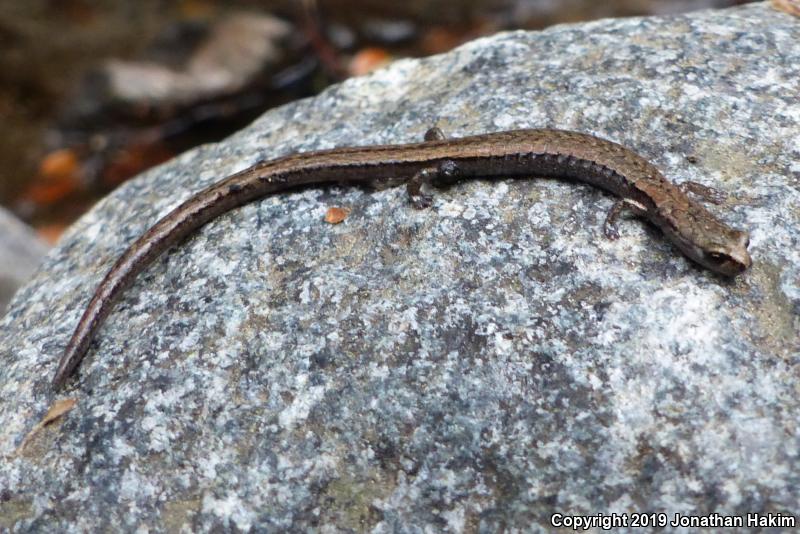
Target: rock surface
479	365
20	252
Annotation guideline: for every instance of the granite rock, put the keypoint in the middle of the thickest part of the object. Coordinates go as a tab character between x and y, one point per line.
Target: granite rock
479	365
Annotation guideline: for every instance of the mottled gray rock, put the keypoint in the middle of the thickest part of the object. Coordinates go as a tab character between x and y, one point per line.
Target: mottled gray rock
20	252
482	364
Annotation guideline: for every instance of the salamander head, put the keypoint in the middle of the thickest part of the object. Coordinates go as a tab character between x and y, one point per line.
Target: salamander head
710	242
728	256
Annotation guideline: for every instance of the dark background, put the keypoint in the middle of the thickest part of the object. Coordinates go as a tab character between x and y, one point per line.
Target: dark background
66	142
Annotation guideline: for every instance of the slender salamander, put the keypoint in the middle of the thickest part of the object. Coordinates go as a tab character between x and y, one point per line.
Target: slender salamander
439	161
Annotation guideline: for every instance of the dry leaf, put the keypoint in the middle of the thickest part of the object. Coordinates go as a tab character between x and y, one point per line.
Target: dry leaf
50	232
58	177
789	6
59	408
336	215
59	164
367	60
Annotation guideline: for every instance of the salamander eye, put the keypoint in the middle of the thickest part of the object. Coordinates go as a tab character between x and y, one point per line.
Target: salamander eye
716	256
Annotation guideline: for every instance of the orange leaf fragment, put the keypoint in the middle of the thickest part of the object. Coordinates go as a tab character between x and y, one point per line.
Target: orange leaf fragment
368	59
336	215
132	160
50	232
59	163
439	39
58	177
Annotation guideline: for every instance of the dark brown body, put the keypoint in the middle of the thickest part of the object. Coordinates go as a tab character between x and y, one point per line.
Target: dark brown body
547	153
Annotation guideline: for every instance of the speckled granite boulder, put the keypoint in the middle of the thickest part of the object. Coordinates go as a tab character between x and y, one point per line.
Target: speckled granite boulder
482	364
20	252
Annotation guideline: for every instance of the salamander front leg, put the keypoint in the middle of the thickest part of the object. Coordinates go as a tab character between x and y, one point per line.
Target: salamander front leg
709	194
441	175
445	173
414	188
610	224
